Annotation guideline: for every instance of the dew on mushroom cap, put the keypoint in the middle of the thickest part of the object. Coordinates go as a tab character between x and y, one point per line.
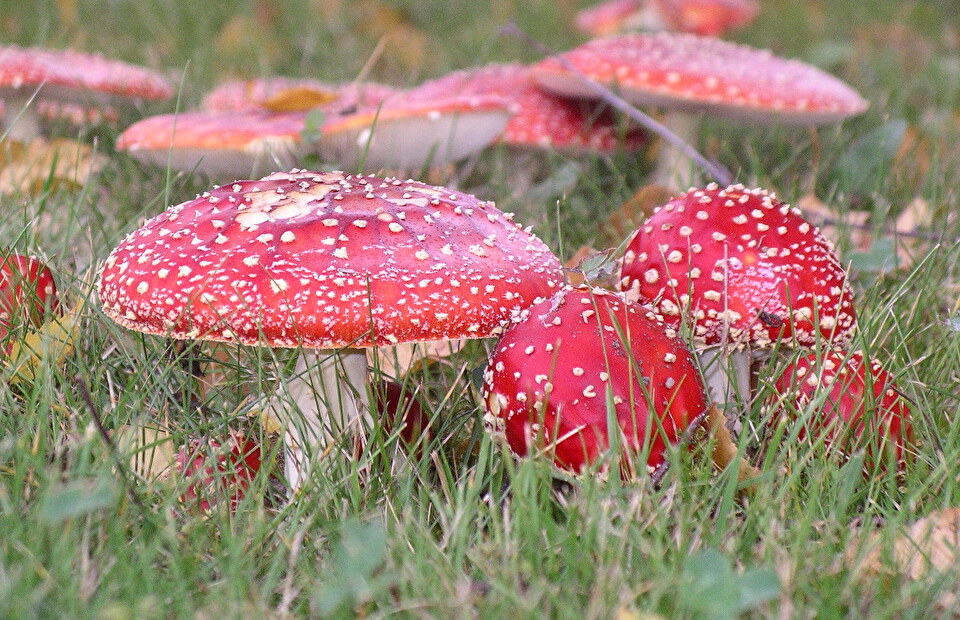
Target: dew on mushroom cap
761	272
326	260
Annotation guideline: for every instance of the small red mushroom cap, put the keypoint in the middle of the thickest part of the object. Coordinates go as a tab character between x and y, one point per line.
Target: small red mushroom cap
76	76
27	293
327	260
229	144
551	377
742	266
258	93
857	410
703	74
215	470
710	18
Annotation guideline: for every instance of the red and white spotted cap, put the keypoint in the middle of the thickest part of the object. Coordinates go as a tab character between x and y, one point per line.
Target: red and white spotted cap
742	266
550	377
260	92
703	74
77	77
431	124
711	18
326	260
856	410
219	144
542	120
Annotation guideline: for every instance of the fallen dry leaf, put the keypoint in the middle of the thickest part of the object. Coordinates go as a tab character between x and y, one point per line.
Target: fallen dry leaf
634	210
51	341
932	543
298	99
831	223
916	215
594	267
398	360
61	163
149	449
724	450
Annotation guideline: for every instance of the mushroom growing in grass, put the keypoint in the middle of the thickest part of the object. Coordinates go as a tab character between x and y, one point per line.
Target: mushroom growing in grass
275	92
429	125
587	371
28	295
839	403
68	77
329	263
743	270
688	75
710	18
228	144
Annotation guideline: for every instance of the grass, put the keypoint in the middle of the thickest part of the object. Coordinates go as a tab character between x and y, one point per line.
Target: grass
466	530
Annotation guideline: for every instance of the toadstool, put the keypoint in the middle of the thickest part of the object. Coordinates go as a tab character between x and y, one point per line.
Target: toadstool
28	294
838	402
586	363
330	263
70	77
742	269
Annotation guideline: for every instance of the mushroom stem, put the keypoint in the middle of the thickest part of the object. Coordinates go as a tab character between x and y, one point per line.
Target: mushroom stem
324	401
674	168
19	119
726	374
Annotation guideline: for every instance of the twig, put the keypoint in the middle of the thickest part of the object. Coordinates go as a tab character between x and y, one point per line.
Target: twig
718	172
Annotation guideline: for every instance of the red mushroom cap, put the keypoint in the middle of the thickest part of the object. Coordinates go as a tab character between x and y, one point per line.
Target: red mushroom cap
608	17
703	74
229	144
75	76
743	266
550	378
710	18
857	410
215	470
27	293
431	124
326	260
255	94
542	120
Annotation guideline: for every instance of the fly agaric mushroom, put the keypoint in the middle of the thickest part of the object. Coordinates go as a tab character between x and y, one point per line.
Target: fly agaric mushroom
27	294
269	93
580	359
69	77
428	125
213	470
839	404
704	17
328	261
687	75
744	269
542	120
219	144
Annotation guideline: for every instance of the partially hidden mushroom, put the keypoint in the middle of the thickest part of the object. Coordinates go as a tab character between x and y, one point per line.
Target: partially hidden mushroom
587	372
848	404
68	77
704	17
688	75
28	295
328	263
745	272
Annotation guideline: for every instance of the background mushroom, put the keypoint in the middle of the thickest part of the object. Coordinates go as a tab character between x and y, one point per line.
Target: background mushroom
330	263
68	77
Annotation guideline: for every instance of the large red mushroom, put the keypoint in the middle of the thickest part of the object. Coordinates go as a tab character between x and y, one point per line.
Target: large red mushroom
743	270
586	363
330	263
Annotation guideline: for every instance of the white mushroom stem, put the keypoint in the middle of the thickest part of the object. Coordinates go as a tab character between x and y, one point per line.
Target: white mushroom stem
726	373
674	168
19	120
323	406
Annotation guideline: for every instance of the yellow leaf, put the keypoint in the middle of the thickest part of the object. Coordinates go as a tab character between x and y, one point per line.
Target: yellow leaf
398	360
298	99
51	342
27	169
149	449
